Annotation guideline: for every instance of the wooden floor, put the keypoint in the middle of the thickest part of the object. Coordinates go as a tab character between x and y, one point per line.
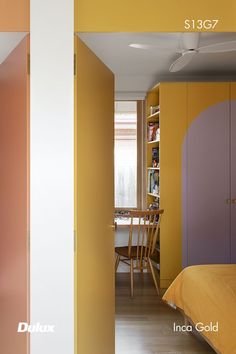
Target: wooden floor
144	325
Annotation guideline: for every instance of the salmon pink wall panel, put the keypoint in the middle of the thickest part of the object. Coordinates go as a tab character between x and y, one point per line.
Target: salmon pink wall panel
14	200
14	15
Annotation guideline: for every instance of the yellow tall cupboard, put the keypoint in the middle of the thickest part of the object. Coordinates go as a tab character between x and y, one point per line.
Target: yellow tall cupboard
172	118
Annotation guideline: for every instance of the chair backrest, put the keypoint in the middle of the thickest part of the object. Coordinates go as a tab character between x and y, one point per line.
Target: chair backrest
147	223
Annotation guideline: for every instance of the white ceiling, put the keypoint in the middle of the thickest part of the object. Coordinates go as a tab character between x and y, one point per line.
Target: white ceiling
136	70
8	41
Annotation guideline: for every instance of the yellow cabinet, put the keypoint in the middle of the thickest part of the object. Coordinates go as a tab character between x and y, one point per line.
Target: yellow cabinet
170	98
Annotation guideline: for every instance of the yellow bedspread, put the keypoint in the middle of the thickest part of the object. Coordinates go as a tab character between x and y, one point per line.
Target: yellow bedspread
207	294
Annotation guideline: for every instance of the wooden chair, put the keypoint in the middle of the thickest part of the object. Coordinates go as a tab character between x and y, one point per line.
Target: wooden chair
138	255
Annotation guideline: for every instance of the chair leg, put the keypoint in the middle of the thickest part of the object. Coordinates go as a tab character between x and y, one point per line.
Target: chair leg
132	277
141	265
117	262
153	276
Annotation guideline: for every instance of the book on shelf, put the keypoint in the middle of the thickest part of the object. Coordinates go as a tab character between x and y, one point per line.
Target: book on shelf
153	182
154	109
153	131
155	157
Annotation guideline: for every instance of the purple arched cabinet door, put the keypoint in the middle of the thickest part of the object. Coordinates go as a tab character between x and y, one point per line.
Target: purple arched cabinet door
206	176
233	180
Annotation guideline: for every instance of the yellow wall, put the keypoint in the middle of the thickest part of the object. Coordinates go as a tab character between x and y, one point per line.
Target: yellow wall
202	95
180	104
95	294
75	193
151	15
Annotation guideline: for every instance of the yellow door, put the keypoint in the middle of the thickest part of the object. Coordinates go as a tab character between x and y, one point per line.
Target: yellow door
94	181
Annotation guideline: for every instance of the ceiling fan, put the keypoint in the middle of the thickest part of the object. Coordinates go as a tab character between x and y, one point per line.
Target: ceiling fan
189	48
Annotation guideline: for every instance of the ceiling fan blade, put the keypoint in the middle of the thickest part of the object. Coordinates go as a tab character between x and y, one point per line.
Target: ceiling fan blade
143	46
218	47
152	47
181	62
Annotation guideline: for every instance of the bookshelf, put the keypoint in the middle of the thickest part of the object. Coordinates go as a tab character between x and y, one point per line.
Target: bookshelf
152	157
153	139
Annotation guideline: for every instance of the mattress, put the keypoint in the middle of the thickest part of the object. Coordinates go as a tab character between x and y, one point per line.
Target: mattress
207	296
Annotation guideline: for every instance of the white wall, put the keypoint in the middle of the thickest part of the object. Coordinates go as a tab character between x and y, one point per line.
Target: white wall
51	200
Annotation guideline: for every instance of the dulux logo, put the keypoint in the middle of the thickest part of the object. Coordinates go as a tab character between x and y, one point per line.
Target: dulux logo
34	328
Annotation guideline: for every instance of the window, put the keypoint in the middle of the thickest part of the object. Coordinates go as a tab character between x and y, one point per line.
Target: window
126	143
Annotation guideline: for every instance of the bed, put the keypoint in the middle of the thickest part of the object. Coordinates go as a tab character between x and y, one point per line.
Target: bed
206	294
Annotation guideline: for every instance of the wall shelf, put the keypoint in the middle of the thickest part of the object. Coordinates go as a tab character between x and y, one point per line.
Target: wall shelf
154	195
154	116
154	142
